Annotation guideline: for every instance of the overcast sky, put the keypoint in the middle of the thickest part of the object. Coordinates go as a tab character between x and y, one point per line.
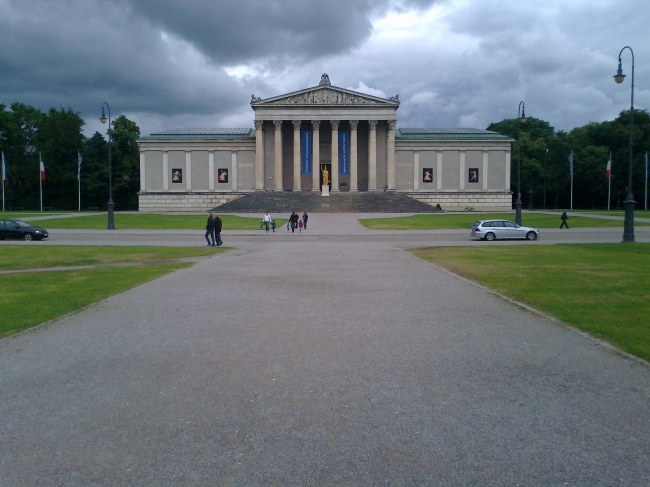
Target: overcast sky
195	63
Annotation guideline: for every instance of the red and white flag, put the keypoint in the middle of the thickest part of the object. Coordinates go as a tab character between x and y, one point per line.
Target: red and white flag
42	171
608	171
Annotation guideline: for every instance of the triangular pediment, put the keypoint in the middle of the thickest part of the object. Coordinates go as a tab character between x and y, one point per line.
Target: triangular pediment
325	96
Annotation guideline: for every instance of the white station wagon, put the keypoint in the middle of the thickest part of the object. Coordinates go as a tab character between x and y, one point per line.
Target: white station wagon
502	229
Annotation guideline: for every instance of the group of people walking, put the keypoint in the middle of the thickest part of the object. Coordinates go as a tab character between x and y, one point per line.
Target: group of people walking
296	222
212	229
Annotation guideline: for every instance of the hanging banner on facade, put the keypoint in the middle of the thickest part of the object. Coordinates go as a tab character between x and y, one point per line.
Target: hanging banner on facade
306	151
344	153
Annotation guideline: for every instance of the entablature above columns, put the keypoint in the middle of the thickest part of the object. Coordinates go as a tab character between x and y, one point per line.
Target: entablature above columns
362	113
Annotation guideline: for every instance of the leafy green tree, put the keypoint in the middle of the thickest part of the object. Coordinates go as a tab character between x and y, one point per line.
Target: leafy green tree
126	163
94	172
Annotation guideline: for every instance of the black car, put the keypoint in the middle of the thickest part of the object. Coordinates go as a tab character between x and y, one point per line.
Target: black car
21	230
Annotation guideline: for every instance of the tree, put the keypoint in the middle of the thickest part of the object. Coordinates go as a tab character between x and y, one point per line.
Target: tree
126	163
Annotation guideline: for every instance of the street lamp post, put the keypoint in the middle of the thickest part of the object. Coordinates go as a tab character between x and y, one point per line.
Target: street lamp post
521	117
628	228
110	205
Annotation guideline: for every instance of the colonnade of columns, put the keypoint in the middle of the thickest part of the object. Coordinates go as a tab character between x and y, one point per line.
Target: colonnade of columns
334	177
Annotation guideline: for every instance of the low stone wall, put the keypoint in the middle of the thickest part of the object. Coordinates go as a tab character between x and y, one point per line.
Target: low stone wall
194	201
460	200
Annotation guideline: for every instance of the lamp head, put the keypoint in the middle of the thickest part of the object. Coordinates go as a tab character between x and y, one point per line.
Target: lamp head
619	76
103	118
523	117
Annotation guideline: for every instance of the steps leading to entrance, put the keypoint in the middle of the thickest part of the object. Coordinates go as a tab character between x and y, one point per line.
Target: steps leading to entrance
362	202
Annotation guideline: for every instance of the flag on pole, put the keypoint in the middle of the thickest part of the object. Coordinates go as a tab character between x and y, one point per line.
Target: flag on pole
608	170
42	171
5	174
79	162
571	163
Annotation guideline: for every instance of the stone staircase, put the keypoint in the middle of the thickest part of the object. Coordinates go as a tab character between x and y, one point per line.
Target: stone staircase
362	202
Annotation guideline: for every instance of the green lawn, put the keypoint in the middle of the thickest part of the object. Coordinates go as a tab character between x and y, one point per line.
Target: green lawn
603	289
24	257
27	300
155	222
26	214
639	213
462	221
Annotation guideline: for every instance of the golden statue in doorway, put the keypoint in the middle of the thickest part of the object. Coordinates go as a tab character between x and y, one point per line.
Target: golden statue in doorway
326	176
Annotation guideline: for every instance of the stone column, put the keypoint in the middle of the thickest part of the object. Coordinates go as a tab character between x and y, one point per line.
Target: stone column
233	170
259	156
315	160
143	184
390	156
278	155
416	170
485	169
372	156
188	170
165	170
211	170
461	181
439	169
508	170
296	155
334	177
354	172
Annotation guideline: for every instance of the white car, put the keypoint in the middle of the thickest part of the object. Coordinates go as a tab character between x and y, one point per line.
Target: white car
502	229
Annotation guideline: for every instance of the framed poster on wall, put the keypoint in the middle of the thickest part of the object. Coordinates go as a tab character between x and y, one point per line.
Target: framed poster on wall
427	175
177	175
222	175
473	175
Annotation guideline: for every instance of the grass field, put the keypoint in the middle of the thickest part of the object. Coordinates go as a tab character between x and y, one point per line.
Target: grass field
155	222
24	257
460	221
26	214
28	299
637	213
603	289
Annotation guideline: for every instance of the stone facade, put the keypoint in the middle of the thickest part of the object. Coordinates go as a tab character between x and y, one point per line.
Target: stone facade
184	202
497	201
353	136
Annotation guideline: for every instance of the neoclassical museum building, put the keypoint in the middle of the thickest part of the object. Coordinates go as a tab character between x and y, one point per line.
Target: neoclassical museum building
348	138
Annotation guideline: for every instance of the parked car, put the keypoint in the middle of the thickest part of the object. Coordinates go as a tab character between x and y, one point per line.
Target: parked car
502	229
21	230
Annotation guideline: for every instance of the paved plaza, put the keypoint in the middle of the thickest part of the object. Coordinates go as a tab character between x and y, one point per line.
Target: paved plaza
330	358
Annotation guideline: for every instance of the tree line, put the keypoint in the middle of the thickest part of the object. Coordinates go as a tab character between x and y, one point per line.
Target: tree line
26	133
545	152
57	135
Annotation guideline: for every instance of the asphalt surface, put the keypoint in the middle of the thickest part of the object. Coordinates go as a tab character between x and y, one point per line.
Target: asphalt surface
325	360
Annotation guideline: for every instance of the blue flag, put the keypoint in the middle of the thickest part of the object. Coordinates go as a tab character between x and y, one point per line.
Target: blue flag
79	161
571	163
5	174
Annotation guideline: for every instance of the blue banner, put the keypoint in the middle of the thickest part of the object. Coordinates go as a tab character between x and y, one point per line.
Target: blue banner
306	151
344	153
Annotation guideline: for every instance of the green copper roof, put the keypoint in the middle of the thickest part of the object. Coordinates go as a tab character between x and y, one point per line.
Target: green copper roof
447	134
201	134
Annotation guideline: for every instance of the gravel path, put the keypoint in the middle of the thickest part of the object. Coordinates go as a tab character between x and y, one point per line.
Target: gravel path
317	362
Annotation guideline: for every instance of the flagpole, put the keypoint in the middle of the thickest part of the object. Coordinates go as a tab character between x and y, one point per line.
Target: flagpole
571	180
609	181
4	171
646	180
40	178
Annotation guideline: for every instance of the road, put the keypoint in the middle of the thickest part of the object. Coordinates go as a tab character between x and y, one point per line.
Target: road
299	360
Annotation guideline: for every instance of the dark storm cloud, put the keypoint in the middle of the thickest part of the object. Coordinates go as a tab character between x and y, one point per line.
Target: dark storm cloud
236	31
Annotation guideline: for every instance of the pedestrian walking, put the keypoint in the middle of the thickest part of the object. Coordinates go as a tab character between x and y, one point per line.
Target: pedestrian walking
299	226
209	230
217	229
293	221
267	220
564	218
305	217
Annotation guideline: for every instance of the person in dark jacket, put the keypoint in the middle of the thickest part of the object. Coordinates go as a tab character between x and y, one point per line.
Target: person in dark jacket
305	217
293	220
209	230
564	219
217	229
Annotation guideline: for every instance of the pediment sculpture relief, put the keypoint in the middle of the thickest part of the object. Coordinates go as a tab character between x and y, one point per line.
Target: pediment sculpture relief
326	97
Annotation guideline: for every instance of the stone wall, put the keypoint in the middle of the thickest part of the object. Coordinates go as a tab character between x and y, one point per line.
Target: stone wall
460	200
194	201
